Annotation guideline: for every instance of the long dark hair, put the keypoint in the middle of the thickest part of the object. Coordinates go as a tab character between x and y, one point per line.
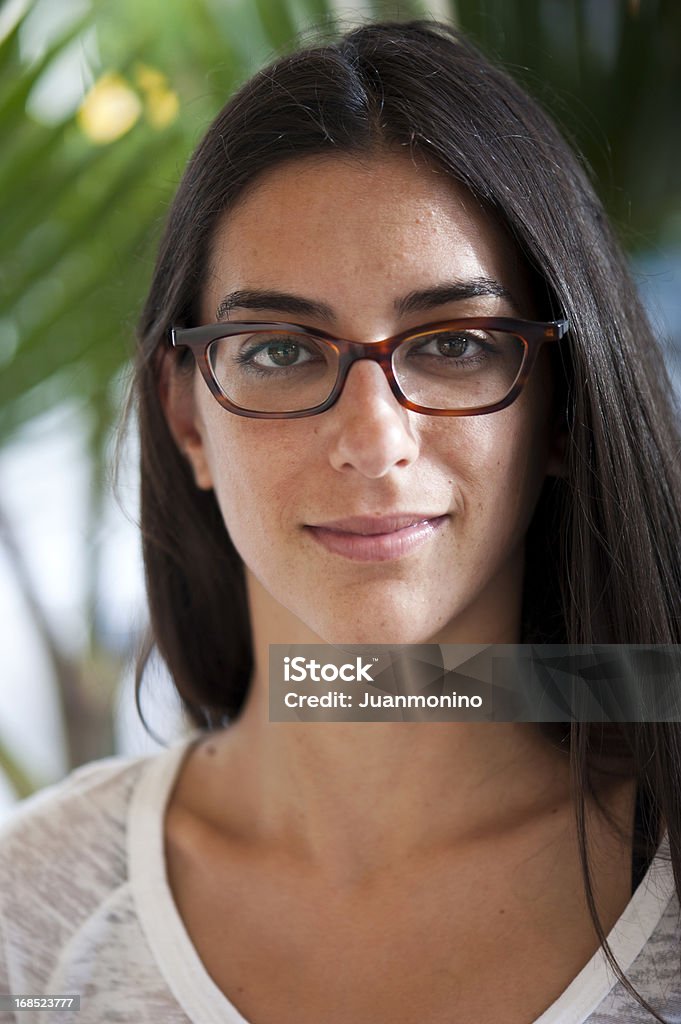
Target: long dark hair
602	552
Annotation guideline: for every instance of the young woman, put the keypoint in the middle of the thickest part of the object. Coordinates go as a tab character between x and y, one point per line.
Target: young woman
496	463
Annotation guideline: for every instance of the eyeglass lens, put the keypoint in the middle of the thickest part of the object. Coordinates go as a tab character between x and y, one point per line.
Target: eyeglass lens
449	369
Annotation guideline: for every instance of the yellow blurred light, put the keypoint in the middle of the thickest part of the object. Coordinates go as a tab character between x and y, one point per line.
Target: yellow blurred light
161	107
150	79
161	104
109	110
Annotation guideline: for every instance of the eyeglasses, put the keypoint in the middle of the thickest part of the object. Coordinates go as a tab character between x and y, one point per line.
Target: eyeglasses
284	371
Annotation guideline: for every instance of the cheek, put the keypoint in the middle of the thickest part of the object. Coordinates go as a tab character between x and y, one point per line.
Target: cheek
256	473
497	464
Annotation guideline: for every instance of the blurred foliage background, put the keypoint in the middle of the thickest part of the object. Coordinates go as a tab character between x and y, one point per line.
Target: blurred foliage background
101	104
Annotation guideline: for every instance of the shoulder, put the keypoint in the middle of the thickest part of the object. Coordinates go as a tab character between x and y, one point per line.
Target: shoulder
77	828
76	819
64	867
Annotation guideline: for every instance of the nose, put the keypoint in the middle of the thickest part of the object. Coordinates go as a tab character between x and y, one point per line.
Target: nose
371	431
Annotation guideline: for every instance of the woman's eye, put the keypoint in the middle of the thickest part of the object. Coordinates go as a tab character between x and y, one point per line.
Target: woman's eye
282	352
454	345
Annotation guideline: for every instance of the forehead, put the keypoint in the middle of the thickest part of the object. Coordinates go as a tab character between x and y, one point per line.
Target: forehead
345	227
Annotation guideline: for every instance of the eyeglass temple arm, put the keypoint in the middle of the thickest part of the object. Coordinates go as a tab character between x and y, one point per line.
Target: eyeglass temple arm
556	330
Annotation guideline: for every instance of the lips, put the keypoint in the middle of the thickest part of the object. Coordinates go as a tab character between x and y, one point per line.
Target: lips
377	538
370	526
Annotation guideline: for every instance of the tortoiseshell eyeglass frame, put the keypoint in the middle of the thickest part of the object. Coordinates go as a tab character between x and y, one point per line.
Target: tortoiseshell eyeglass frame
532	334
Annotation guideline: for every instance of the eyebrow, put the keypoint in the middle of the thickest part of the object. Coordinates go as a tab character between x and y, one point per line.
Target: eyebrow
414	302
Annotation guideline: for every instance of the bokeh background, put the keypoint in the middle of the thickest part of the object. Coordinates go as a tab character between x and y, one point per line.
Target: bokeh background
101	104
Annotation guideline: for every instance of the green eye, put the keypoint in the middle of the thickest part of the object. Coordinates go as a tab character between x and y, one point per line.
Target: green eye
453	344
283	353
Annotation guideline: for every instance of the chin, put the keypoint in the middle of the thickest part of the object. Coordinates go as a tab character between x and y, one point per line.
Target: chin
366	633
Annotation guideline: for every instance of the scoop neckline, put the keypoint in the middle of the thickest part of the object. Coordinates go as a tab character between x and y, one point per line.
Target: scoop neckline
201	999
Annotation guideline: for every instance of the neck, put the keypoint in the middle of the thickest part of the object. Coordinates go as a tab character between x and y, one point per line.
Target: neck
350	796
353	796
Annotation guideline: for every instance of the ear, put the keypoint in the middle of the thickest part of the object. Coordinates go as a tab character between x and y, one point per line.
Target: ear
178	401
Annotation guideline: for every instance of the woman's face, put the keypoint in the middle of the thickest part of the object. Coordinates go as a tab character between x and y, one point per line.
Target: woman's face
358	237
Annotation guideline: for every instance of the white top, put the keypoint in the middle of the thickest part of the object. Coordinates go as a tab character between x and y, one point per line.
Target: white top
85	908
